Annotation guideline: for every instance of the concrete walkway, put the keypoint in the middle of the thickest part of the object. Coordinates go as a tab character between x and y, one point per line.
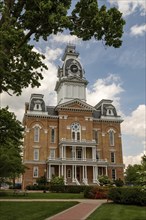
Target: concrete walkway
78	212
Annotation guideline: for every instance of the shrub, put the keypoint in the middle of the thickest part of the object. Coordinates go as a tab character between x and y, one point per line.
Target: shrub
118	182
56	180
104	180
128	195
37	187
96	192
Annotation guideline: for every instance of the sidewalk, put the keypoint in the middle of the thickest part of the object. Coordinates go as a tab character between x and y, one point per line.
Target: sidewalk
80	211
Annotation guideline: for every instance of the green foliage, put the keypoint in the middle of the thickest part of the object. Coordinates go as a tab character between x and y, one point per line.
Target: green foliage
41	181
104	180
96	192
67	188
11	134
56	180
119	182
37	187
132	175
24	21
128	195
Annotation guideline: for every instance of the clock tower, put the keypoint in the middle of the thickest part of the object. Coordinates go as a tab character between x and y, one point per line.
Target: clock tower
71	82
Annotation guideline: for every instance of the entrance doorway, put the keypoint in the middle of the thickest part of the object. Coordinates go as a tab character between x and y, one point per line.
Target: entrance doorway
79	173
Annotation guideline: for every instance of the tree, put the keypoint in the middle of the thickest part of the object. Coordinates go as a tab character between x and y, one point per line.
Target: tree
24	20
11	134
132	175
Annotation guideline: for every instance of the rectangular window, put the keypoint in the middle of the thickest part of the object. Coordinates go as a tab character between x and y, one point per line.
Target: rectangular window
112	157
52	153
36	154
79	154
113	174
95	136
111	138
52	135
35	171
36	134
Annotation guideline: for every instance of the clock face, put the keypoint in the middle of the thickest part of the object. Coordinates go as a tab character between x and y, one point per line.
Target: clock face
74	68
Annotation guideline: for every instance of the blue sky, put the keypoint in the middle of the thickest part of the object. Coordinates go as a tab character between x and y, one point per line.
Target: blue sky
117	74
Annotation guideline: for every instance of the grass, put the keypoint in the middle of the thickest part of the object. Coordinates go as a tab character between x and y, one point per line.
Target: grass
31	210
41	195
118	212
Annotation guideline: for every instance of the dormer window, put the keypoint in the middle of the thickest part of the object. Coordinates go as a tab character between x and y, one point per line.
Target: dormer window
109	111
37	105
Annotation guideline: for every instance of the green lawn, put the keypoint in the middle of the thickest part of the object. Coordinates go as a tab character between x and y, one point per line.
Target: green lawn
41	195
118	212
31	210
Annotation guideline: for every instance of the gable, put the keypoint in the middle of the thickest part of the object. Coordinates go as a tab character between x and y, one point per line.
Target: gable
75	105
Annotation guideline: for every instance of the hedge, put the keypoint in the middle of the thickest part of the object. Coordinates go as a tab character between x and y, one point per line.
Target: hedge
128	195
96	192
58	188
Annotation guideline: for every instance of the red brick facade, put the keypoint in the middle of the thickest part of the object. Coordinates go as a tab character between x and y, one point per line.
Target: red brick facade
73	139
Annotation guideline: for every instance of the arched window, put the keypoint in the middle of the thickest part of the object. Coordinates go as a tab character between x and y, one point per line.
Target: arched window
111	137
76	131
36	134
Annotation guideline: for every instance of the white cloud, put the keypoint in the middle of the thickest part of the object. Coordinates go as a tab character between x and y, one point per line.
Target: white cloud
138	30
128	7
135	123
107	88
132	159
65	38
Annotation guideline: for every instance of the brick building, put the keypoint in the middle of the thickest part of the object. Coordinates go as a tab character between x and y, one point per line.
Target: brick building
72	139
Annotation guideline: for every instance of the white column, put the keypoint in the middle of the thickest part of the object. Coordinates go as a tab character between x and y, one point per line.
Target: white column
73	173
62	170
65	152
65	173
75	152
49	172
86	172
62	152
85	152
106	171
59	170
83	173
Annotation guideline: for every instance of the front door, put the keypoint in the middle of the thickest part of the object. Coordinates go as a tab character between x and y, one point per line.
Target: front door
79	174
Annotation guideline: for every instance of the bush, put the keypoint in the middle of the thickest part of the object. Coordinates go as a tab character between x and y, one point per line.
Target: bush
104	180
118	182
128	195
67	188
37	187
96	192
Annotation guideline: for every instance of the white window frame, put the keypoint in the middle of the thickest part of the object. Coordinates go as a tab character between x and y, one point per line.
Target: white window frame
96	136
52	153
36	133
111	137
36	154
52	135
35	172
76	131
